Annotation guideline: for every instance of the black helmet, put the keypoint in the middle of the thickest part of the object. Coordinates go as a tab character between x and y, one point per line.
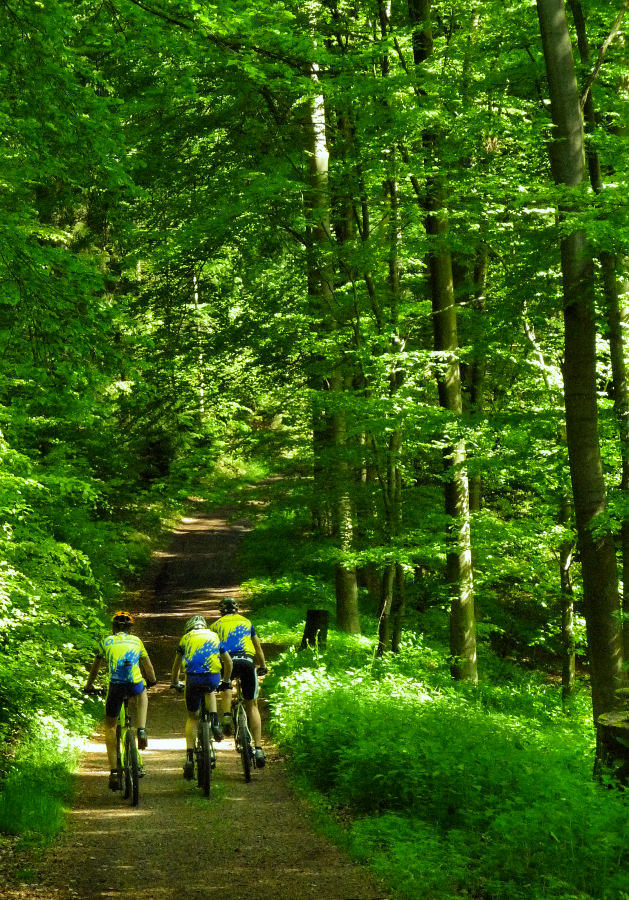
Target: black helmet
194	622
122	618
228	605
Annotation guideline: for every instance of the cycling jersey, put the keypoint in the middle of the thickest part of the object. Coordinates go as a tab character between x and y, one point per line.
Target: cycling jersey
200	650
236	632
123	652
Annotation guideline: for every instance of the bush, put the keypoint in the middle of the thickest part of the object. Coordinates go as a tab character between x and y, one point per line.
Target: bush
453	792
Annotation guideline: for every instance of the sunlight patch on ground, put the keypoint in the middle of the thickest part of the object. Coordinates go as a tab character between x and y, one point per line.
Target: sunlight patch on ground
156	744
121	812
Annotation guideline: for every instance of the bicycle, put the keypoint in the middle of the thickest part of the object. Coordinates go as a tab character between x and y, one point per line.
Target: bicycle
204	755
243	739
128	758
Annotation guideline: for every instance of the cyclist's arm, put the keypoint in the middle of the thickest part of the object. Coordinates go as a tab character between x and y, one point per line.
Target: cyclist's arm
259	657
147	669
174	675
228	665
91	678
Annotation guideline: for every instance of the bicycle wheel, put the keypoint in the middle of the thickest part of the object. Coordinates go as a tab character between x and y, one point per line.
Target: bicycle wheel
119	755
132	768
205	758
244	740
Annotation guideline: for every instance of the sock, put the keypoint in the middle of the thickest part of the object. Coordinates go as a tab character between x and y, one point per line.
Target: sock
190	755
214	718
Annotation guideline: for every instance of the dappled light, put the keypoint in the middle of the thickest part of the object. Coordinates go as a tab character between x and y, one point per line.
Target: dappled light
321	307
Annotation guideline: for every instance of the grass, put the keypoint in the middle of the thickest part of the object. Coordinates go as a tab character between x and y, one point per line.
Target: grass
38	786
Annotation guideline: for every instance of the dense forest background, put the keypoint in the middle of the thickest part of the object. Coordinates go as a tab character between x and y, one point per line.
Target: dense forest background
378	248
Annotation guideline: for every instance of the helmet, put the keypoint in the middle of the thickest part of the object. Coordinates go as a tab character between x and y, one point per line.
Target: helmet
122	618
228	605
194	622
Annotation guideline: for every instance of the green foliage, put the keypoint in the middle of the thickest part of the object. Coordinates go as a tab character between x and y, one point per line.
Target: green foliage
38	785
448	790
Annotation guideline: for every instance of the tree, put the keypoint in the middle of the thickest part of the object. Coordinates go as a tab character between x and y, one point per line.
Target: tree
596	546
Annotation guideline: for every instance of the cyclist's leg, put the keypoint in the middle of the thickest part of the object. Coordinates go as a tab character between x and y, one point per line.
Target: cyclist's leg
139	693
213	680
142	705
113	704
250	687
110	740
225	699
255	722
193	695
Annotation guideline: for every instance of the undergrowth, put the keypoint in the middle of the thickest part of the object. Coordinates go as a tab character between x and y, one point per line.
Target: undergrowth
452	792
444	789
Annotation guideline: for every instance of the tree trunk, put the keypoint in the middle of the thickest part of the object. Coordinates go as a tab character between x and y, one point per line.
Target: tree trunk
321	287
397	610
568	670
316	629
598	558
346	581
459	553
615	322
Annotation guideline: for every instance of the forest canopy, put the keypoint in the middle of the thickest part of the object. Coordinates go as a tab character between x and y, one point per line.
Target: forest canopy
380	244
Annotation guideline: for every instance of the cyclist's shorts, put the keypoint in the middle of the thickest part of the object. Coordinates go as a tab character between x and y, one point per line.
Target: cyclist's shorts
197	686
116	692
246	671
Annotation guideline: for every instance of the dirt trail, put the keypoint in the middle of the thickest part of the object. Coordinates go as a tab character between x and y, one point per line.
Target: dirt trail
249	840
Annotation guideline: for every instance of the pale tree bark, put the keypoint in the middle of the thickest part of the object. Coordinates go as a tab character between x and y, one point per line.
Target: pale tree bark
568	671
459	552
321	286
596	548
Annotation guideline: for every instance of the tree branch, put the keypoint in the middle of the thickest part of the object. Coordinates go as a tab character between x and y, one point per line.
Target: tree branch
604	48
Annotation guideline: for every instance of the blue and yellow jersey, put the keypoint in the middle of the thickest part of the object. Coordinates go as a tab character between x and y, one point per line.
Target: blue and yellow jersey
123	652
236	632
200	650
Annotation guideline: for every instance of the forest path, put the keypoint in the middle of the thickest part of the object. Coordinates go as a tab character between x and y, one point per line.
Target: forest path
249	840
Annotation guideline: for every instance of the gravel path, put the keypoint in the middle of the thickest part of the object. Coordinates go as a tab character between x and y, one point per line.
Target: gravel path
249	840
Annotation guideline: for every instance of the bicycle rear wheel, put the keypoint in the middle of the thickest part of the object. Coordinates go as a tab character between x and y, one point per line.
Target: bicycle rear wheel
131	768
244	742
205	758
119	755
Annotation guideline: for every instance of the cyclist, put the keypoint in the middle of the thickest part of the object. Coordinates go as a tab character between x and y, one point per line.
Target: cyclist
243	644
201	655
127	660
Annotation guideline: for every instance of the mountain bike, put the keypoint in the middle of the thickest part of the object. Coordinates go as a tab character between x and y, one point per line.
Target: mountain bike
128	759
204	755
242	736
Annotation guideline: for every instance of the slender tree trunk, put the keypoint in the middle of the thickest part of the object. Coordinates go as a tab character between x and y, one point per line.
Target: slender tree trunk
321	282
459	553
568	671
476	381
598	557
397	610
